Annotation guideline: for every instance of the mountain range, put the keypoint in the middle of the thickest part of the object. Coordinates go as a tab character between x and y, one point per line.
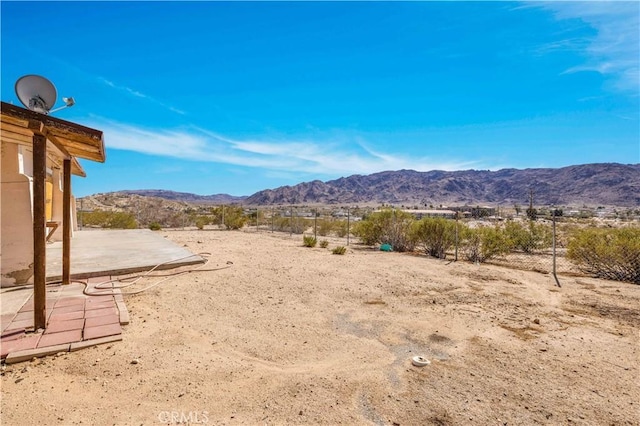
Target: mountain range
609	184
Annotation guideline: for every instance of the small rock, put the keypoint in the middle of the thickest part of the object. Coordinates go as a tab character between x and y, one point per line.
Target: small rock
19	379
135	361
300	413
536	321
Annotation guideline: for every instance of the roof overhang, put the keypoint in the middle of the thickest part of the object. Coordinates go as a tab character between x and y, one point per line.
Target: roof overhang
71	140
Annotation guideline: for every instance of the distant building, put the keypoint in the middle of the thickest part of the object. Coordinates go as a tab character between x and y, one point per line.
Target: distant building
419	214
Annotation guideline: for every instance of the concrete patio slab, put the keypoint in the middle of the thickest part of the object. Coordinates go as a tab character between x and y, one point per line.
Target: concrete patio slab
96	253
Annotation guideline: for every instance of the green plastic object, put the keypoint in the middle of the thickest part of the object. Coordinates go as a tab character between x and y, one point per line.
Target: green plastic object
386	247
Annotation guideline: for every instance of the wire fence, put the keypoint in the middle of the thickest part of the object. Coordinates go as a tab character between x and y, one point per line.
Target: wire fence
539	243
598	242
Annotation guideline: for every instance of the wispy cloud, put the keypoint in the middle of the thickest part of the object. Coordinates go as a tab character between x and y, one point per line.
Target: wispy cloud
614	49
336	156
139	94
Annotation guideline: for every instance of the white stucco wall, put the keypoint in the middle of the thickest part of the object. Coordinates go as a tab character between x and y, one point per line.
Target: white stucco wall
16	232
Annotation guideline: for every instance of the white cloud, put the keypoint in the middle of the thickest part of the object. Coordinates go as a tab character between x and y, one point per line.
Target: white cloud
320	157
614	50
139	94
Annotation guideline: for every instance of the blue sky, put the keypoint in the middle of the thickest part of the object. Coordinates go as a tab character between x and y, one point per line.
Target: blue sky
213	97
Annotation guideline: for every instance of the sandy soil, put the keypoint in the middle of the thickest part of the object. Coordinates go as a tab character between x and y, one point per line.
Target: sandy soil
295	335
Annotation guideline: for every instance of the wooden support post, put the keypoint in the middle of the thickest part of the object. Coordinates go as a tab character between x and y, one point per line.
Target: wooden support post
39	231
66	222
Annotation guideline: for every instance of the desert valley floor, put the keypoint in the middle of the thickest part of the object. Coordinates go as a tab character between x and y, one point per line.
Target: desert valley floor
283	334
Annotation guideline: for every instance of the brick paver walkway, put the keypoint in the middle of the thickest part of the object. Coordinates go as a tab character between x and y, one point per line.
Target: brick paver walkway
74	321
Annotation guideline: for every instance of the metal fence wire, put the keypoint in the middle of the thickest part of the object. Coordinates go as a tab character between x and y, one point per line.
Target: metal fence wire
548	243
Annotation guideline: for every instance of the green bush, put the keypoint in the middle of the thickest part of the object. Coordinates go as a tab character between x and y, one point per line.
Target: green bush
388	226
309	241
295	224
607	253
234	217
325	227
324	243
483	243
341	227
528	238
155	226
109	219
434	235
339	250
201	221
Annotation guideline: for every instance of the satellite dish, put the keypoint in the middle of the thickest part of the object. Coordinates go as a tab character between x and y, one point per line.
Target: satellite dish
36	93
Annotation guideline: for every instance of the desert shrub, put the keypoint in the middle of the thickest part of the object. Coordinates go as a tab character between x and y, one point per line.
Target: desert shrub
339	250
215	216
201	221
528	237
295	225
234	217
325	227
607	253
388	226
176	220
281	224
434	235
109	219
298	225
324	243
155	226
309	241
341	227
483	243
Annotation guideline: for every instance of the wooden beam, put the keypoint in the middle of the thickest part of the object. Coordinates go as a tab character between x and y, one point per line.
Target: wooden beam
49	121
16	138
20	130
37	127
76	168
65	130
39	235
66	221
13	120
59	145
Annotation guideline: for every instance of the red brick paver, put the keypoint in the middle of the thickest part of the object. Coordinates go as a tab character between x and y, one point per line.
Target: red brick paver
101	331
73	321
58	326
25	342
54	339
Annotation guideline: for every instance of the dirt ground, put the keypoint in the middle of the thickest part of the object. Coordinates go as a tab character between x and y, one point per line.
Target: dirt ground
291	335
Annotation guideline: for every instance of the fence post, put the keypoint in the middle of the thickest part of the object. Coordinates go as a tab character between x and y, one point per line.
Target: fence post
348	224
553	217
455	256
